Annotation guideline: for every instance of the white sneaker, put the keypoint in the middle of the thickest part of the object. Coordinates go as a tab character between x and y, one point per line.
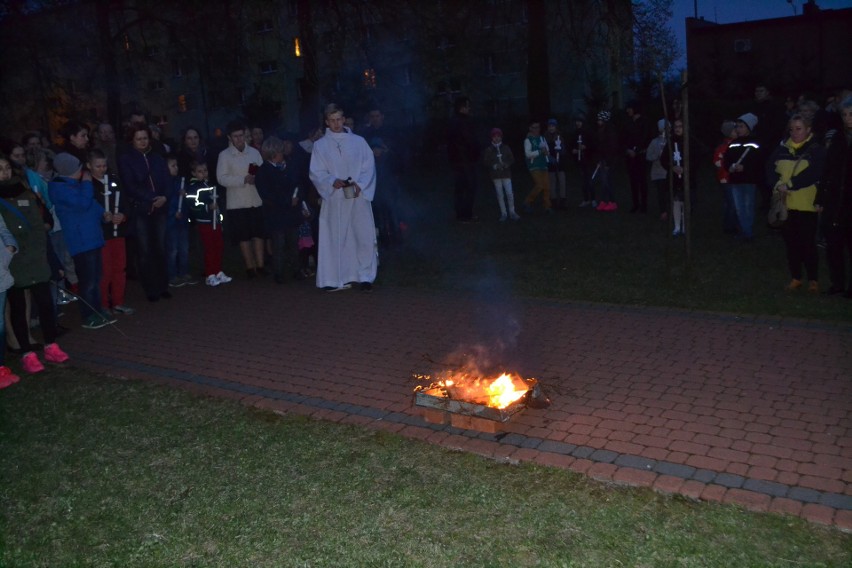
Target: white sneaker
212	280
223	278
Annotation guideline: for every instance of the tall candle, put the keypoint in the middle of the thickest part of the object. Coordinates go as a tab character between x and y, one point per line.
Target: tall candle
106	192
115	225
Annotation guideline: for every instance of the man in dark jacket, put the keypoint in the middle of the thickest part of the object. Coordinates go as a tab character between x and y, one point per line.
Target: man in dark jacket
744	161
463	154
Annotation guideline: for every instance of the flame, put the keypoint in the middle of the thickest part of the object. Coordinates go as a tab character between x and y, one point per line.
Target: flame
496	393
502	392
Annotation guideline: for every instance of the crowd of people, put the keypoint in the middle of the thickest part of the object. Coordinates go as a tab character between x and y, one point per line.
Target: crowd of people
796	156
79	217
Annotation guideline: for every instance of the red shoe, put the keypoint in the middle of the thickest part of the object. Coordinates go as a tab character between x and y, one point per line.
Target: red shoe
602	206
611	206
7	377
53	354
31	364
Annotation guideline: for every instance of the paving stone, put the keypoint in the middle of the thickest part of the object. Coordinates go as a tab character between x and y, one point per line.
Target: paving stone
674	469
835	501
603	456
729	480
556	447
805	495
583	452
767	487
704	475
635	462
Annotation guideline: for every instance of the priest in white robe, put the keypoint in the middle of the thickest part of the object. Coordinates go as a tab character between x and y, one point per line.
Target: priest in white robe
342	163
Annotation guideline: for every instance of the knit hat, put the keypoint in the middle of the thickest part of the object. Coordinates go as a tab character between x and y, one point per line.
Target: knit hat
749	120
66	165
552	121
728	128
496	132
604	116
661	124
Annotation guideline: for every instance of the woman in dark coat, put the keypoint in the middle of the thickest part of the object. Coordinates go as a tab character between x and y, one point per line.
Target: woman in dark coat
146	181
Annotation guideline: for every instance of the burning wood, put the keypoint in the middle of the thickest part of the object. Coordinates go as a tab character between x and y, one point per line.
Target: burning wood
498	392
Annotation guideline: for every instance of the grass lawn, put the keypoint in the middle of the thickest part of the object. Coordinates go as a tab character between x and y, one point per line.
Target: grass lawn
101	472
585	255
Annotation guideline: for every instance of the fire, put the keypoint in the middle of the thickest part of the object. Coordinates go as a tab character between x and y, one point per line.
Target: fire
496	393
502	392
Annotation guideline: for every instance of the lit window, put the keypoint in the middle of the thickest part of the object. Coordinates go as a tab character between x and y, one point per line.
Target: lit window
370	78
297	47
182	107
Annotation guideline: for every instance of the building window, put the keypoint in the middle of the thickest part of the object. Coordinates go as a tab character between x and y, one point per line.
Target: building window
369	76
268	67
297	47
264	26
152	51
156	85
182	106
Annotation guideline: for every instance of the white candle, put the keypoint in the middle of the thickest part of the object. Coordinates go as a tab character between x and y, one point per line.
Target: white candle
215	210
106	192
115	225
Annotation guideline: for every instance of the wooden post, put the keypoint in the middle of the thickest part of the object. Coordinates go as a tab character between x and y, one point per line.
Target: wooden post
687	189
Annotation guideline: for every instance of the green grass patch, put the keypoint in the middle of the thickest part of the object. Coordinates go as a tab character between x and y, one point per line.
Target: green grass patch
584	255
96	471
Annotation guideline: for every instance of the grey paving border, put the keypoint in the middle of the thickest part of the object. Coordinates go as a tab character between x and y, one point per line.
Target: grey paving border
770	488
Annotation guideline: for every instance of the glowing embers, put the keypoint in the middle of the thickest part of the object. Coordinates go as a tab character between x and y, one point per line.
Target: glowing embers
477	403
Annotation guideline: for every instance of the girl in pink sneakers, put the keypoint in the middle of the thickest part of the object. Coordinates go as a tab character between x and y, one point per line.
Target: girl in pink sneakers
26	219
8	247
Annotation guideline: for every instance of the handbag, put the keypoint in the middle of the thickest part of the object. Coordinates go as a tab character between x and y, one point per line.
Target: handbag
778	213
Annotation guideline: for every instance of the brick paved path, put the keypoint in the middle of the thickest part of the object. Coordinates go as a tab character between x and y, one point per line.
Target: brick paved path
752	411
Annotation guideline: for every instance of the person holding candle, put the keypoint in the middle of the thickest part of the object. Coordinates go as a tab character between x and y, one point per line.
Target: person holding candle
81	217
498	160
582	146
672	160
177	230
202	203
744	162
114	252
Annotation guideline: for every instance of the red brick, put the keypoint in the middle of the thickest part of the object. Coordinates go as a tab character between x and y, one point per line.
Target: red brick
787	478
820	471
761	461
785	506
728	455
689	448
749	499
602	471
713	493
668	484
703	462
822	484
554	460
652	441
654	453
435	416
817	513
636	477
843	520
580	465
525	454
762	473
623	447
